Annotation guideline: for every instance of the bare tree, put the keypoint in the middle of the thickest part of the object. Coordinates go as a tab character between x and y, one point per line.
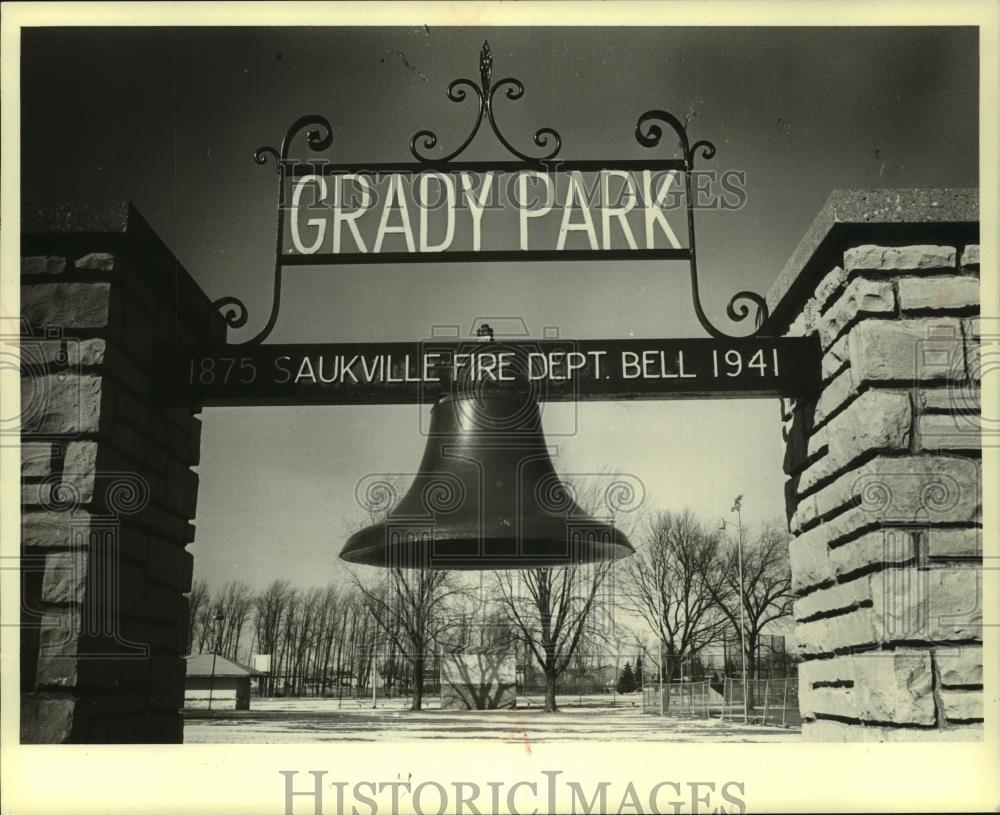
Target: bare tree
229	616
271	607
550	609
409	605
206	629
767	586
198	599
671	585
330	632
553	610
410	608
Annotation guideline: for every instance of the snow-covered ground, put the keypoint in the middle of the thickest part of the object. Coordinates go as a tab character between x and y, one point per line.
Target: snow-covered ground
279	721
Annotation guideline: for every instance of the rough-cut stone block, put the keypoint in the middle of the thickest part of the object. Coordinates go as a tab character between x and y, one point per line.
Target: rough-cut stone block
960	399
818	444
832	634
89	352
65	578
118	366
884	547
884	687
945	542
933	604
972	333
938	431
861	297
58	647
819	672
169	565
916	258
166	685
80	469
810	562
38	354
906	351
161	603
46	720
831	283
36	494
876	420
907	605
189	449
130	593
822	701
54	530
932	489
962	705
139	728
162	637
37	459
138	334
96	261
61	405
835	359
828	730
970	257
833	530
938	294
805	323
840	598
67	305
961	666
836	392
43	265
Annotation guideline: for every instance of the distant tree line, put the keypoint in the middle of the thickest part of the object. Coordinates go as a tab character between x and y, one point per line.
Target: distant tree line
391	626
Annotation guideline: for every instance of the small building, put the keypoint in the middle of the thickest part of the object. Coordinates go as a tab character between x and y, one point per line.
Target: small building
218	682
478	682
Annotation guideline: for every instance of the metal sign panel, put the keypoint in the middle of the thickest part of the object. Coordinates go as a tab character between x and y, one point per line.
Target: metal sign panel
549	370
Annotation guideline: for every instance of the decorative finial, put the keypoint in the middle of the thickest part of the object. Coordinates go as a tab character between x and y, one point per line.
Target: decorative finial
486	65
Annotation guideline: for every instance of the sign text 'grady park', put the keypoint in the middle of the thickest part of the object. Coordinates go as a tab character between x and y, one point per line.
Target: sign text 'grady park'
344	215
554	370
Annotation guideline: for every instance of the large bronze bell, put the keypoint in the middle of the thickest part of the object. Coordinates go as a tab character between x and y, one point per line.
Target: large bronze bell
486	497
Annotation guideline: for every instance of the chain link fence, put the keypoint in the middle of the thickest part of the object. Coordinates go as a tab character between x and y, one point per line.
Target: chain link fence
770	702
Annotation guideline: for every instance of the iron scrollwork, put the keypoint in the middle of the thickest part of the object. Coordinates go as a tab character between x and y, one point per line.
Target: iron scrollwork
649	132
231	309
484	92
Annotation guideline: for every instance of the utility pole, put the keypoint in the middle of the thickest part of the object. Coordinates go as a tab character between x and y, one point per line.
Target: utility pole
374	675
211	682
738	509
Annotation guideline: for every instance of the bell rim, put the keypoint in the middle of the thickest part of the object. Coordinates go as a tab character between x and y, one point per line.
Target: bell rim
371	541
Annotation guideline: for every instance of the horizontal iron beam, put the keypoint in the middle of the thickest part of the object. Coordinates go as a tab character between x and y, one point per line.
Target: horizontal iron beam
303	167
487	256
548	370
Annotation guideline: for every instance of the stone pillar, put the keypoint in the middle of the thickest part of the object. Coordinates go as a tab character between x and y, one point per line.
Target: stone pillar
108	492
883	493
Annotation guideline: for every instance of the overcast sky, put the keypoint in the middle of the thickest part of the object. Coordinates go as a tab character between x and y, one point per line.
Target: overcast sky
170	119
